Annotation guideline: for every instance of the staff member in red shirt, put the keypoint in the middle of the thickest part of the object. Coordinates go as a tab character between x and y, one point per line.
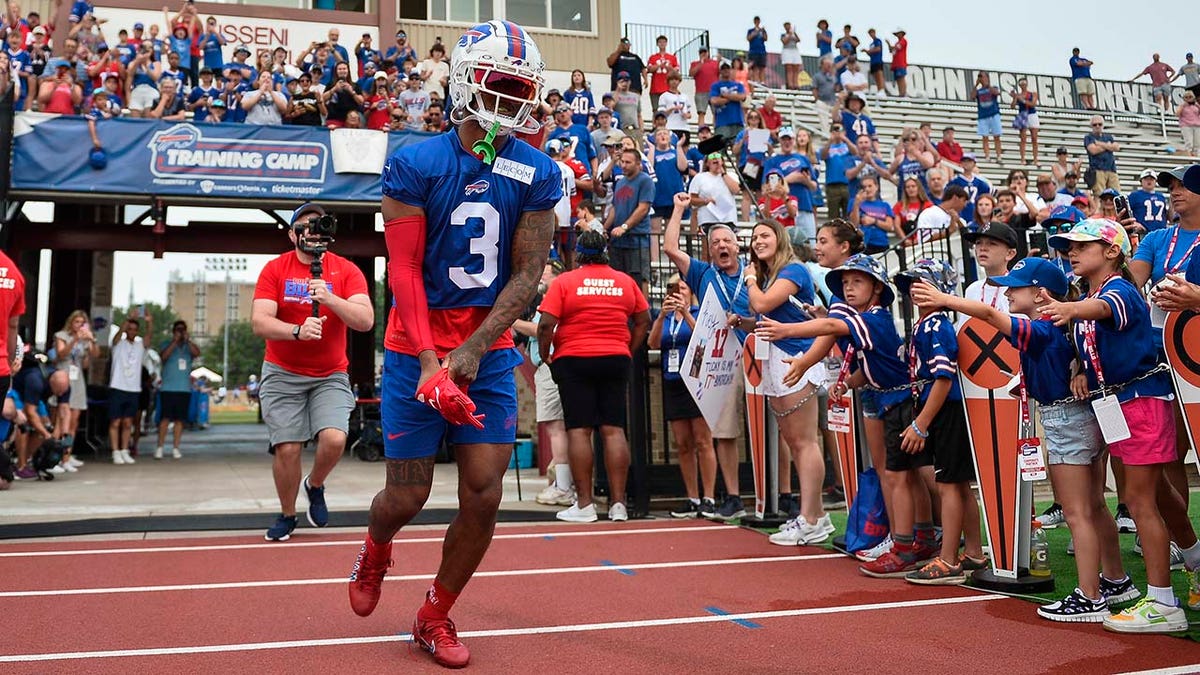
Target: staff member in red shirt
585	316
12	306
305	389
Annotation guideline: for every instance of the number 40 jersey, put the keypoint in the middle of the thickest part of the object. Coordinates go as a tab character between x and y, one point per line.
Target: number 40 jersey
471	214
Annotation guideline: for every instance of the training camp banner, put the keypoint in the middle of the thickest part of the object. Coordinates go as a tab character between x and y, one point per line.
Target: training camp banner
53	154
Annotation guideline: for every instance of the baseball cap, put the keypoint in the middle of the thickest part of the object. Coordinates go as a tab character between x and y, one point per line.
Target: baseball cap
101	47
139	26
381	76
553	92
852	96
240	49
994	230
217	103
1064	214
1071	174
1188	55
1093	229
554	146
614	137
1188	174
1081	200
370	65
786	131
968	155
1034	272
1060	151
58	63
310	208
99	91
562	106
625	40
661	112
1111	192
603	111
206	71
414	75
622	75
40	30
702	127
1148	173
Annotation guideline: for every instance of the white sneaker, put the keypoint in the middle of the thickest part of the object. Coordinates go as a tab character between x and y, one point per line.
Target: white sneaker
578	515
75	462
800	533
128	457
158	452
555	496
176	454
617	512
66	466
118	457
876	551
57	469
826	524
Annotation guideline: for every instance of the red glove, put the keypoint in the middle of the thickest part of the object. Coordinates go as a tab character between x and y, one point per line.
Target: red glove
441	394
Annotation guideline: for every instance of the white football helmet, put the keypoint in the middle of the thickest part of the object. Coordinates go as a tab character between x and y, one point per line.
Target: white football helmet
496	77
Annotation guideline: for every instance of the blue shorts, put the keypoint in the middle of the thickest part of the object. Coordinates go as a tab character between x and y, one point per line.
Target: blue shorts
869	401
413	430
899	72
989	126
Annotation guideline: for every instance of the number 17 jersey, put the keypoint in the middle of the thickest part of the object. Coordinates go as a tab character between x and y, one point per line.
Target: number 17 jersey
471	215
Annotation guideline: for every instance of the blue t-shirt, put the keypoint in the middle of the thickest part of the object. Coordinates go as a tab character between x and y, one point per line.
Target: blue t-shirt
198	92
582	105
1121	343
695	159
825	43
729	113
585	150
857	125
786	164
873	235
210	46
249	72
758	40
1149	209
1079	70
125	53
1193	270
974	187
790	311
676	334
176	368
469	233
934	351
80	9
363	54
398	55
182	47
877	350
1155	245
876	56
705	278
836	164
669	181
628	193
987	102
1046	355
1104	161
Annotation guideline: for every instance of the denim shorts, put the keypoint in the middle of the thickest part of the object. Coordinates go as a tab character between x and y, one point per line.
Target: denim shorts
989	126
869	402
1072	434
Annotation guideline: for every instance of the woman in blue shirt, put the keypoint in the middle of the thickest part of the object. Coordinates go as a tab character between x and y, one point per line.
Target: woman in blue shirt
671	333
579	97
781	288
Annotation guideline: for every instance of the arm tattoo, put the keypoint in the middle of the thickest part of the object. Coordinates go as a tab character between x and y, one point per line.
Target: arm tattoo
530	248
410	472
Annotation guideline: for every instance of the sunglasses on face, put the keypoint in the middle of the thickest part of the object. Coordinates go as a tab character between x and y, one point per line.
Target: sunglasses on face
1053	229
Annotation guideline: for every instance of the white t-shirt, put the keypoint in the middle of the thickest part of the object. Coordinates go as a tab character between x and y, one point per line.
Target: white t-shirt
981	291
126	359
440	69
1032	197
562	210
1059	200
676	105
723	209
932	219
856	81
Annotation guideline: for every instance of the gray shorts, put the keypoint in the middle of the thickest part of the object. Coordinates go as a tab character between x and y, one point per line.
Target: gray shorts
77	400
1072	434
701	102
633	261
296	407
549	405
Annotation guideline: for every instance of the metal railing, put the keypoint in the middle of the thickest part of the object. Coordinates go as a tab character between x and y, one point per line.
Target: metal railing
684	43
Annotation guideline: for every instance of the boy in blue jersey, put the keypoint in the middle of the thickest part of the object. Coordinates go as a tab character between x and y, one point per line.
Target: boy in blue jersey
855	121
1149	206
469	218
941	425
973	183
987	103
797	171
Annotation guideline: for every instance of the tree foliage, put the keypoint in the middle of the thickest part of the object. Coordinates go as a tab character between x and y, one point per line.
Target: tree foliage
246	351
161	319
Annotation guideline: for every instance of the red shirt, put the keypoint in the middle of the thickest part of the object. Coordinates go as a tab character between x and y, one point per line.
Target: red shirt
285	281
581	173
778	209
900	56
378	117
12	304
772	118
709	71
658	80
593	304
950	151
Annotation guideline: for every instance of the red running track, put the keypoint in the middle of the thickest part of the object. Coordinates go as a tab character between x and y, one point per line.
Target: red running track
646	597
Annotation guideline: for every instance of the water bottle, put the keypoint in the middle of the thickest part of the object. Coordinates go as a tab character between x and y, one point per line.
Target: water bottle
1039	552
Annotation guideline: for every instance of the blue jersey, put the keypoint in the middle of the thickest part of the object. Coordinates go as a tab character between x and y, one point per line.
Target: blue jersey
933	354
198	92
1046	356
758	41
668	181
210	46
877	350
791	310
836	163
704	278
729	113
825	43
910	168
1149	209
1121	343
874	235
249	72
582	105
471	211
125	53
585	150
80	9
974	187
876	56
1193	270
987	102
182	47
786	164
676	334
857	125
695	159
1079	70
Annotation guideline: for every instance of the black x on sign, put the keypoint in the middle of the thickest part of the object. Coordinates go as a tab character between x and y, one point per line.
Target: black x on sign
986	358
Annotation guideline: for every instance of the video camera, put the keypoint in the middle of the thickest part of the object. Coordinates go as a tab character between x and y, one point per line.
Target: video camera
322	227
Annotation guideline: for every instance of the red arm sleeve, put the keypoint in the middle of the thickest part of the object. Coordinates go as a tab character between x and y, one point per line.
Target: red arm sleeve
405	237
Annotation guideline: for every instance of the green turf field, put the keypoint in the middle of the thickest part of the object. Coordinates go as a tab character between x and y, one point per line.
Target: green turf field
1063	566
218	415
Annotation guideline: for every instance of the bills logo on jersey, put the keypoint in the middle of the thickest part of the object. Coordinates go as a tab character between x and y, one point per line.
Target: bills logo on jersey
477	188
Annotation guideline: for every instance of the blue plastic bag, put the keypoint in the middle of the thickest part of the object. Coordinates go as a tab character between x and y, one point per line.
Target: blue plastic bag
867	524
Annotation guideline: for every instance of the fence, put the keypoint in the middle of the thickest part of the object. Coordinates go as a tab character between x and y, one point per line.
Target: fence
684	43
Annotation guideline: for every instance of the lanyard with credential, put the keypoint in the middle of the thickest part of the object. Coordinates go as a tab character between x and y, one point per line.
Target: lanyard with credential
1174	269
1089	336
676	324
725	291
845	371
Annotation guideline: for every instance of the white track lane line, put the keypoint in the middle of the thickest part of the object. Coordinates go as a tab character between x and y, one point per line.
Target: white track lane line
583	569
358	542
500	632
1190	669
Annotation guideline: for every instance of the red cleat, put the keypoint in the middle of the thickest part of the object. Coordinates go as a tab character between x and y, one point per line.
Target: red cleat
439	637
366	578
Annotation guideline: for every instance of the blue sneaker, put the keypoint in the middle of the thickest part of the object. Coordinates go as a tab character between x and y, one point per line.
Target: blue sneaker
318	513
282	529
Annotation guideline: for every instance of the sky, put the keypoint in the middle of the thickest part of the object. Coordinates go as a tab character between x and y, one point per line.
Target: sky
1016	35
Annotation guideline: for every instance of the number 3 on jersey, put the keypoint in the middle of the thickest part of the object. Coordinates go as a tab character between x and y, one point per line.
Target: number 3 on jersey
486	245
